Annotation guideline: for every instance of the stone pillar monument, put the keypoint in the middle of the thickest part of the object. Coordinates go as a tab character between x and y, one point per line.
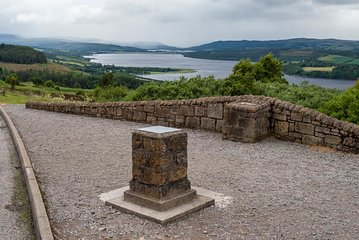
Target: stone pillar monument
159	188
159	168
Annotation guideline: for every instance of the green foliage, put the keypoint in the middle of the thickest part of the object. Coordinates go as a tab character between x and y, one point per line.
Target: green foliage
344	106
304	94
239	84
341	71
80	93
75	79
111	94
11	79
49	84
268	69
37	81
245	74
182	89
107	80
21	54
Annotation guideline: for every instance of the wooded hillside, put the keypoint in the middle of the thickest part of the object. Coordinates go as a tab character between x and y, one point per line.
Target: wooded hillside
21	54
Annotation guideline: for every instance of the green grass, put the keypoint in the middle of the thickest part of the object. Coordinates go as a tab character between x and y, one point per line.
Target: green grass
296	53
356	62
15	97
51	66
27	92
69	63
44	90
338	59
20	199
318	69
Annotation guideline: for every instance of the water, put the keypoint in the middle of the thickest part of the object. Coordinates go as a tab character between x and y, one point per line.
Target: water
203	67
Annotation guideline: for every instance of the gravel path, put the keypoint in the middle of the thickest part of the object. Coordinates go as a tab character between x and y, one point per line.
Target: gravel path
10	225
281	190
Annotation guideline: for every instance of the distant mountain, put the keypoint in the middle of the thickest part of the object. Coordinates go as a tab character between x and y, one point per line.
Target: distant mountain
84	45
10	39
291	49
295	43
80	48
296	49
151	46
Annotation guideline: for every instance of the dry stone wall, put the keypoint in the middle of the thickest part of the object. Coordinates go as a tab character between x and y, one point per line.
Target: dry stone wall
287	121
299	124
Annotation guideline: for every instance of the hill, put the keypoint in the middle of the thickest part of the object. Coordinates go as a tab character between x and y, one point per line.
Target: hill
77	48
295	43
287	50
21	54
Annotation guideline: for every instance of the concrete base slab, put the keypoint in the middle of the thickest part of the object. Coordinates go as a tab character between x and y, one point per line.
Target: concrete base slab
116	200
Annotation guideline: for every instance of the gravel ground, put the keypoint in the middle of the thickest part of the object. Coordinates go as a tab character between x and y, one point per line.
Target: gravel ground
281	190
10	225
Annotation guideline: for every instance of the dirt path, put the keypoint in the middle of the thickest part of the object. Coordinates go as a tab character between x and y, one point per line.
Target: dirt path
280	190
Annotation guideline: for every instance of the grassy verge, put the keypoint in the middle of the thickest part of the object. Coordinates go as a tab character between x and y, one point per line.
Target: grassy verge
27	92
20	199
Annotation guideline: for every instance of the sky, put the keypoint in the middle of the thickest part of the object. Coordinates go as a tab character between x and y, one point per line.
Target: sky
181	23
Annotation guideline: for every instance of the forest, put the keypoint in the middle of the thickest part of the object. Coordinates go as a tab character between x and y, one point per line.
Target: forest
21	54
340	71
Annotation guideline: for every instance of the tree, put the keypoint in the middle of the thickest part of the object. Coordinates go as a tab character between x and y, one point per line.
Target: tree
12	80
49	84
107	80
37	81
268	69
241	81
239	84
246	74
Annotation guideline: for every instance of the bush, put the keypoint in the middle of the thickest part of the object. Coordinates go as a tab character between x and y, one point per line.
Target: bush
37	81
49	84
12	80
181	89
111	94
80	93
345	106
304	94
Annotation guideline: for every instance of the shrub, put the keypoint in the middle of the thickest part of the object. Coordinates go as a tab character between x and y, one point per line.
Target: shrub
345	106
37	81
111	94
49	84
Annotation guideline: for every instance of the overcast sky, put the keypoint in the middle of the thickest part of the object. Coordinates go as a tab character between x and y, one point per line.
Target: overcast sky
181	22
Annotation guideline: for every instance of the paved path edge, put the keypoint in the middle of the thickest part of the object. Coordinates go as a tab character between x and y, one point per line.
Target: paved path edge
41	221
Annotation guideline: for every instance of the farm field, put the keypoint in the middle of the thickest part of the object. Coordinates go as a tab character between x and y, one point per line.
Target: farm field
338	59
319	69
55	67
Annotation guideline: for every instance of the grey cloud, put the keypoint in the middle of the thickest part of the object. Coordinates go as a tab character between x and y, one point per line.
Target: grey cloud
182	21
278	2
336	2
